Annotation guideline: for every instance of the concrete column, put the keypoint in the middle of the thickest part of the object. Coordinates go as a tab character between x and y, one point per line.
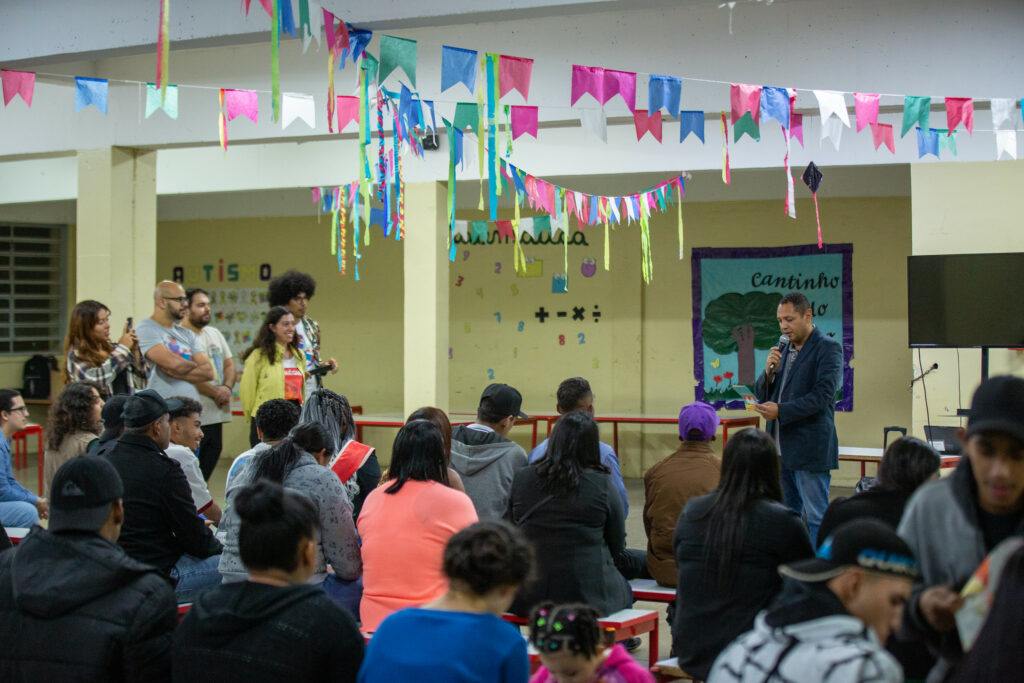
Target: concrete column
425	257
116	231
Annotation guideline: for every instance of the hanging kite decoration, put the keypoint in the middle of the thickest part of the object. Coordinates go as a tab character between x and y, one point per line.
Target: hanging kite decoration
812	178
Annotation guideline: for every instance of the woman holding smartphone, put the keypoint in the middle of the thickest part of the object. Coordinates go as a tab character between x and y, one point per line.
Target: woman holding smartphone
274	367
115	368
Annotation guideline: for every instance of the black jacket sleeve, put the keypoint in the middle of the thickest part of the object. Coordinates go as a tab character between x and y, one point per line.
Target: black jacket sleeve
195	537
147	654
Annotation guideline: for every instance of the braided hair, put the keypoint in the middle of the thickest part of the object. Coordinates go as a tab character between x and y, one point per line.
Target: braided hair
574	626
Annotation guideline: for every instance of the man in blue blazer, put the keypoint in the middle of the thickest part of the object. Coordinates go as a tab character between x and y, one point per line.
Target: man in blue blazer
798	393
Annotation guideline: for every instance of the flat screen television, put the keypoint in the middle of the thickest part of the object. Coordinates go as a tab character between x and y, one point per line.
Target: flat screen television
966	300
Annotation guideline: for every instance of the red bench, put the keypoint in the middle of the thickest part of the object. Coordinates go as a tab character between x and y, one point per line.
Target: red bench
624	624
649	591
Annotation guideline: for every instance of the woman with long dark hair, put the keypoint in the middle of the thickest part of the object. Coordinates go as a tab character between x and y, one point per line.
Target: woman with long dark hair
74	422
728	546
273	626
569	508
91	356
297	463
405	524
274	366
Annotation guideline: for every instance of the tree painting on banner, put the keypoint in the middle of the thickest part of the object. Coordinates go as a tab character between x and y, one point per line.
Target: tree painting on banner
735	296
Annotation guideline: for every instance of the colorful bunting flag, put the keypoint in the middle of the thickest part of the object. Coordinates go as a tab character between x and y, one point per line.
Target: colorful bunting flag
310	23
154	101
746	125
882	133
796	127
347	107
397	52
240	102
596	122
947	138
1006	143
18	83
467	115
775	105
866	108
960	109
1004	111
91	91
298	106
335	31
644	123
691	122
916	110
622	83
664	92
927	142
287	21
587	80
834	117
514	74
745	98
524	120
458	65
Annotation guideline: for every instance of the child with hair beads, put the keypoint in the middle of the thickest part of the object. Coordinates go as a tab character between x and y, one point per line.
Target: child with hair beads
573	649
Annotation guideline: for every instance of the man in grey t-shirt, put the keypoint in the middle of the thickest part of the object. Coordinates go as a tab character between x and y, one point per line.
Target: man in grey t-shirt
174	361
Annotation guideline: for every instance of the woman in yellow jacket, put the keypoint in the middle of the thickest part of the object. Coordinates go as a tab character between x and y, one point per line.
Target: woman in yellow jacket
274	366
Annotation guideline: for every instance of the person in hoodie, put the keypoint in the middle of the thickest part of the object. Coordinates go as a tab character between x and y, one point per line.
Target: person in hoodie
73	605
274	626
484	456
834	614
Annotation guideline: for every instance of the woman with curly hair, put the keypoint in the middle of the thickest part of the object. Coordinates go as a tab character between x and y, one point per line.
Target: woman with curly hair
92	357
273	367
293	290
73	424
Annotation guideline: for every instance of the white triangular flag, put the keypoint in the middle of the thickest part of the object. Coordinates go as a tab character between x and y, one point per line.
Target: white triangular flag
790	193
316	25
462	228
1006	142
831	103
560	223
297	106
832	130
596	122
1003	111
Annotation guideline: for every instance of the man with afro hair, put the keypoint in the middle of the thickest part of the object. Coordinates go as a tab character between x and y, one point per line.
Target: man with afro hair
293	290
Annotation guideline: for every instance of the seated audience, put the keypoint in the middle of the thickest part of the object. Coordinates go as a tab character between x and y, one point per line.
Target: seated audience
297	462
113	425
161	527
833	614
460	637
953	523
483	455
75	420
438	417
693	470
575	394
273	626
274	419
728	545
907	463
572	647
405	524
186	433
355	463
19	507
569	509
73	605
115	368
274	367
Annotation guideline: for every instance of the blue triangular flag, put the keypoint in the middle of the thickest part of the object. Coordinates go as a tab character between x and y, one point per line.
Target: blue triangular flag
358	39
775	105
927	142
287	24
458	146
378	217
691	122
592	219
433	121
458	65
405	105
91	91
517	178
663	91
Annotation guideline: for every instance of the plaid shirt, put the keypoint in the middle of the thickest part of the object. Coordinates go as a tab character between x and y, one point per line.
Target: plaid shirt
119	361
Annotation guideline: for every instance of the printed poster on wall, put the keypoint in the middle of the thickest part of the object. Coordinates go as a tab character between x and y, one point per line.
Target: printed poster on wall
735	296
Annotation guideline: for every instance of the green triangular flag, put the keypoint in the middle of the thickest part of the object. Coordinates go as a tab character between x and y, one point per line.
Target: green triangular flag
478	232
916	110
467	116
169	105
397	52
370	65
747	125
541	224
947	140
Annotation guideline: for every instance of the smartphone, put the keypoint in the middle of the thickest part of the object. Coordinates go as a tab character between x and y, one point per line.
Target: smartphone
130	326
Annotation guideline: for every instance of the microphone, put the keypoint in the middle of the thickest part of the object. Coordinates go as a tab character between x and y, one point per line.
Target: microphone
783	340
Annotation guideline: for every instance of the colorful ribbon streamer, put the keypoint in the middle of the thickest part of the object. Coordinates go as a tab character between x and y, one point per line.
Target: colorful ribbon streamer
726	178
163	49
275	63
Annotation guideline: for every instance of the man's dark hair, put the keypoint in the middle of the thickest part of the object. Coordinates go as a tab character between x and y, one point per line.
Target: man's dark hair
188	407
273	521
192	291
799	301
275	418
288	285
571	393
7	398
488	555
573	448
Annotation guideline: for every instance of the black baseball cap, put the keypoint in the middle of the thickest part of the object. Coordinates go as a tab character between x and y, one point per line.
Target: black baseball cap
81	493
113	423
998	406
865	543
504	400
145	407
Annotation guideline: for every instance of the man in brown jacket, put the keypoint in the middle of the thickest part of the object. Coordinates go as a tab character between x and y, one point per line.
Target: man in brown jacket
691	471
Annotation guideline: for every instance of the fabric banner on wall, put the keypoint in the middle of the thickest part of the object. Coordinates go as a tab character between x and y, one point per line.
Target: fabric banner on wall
735	296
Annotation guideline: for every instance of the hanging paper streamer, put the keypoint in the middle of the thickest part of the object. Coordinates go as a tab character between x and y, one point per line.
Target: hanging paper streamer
960	109
309	25
866	109
514	75
492	156
454	152
916	111
169	103
275	62
222	127
342	221
330	90
287	23
796	127
380	147
679	209
458	66
91	91
812	178
725	152
163	49
790	207
691	122
18	83
508	130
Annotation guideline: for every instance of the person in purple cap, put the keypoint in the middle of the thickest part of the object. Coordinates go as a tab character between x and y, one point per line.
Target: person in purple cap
691	471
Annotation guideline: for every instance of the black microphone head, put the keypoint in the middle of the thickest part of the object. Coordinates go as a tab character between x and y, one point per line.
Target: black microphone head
783	339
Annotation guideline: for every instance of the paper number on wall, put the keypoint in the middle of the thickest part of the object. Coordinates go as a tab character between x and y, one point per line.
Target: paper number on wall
515	290
498	316
561	340
595	362
581	338
459	283
465	255
515	352
480	292
497	268
490	373
449	352
521	326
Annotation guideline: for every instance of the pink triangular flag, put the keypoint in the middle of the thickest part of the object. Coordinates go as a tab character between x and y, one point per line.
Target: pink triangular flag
18	83
268	5
347	107
960	109
241	102
505	229
524	120
541	188
337	36
587	79
882	133
623	83
796	127
644	122
514	74
866	107
744	98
